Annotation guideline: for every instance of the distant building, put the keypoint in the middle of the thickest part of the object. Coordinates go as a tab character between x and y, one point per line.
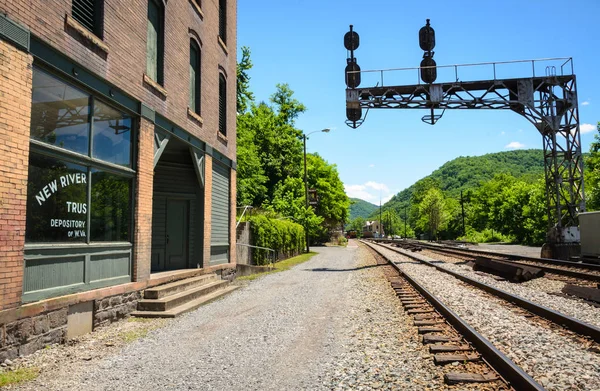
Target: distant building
118	139
373	229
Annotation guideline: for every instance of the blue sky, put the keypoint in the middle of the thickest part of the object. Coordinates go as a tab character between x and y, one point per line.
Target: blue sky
300	42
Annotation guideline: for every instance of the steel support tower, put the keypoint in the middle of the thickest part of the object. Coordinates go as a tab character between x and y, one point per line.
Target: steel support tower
549	102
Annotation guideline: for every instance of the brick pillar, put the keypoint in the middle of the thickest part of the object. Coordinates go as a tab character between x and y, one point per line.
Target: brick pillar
142	241
208	174
232	216
15	121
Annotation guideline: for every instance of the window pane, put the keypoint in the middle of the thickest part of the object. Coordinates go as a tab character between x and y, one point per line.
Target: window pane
110	207
112	135
59	113
222	106
56	201
152	40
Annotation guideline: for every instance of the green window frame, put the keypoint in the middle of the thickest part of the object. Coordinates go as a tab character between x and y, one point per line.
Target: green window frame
223	20
222	105
195	77
80	184
155	41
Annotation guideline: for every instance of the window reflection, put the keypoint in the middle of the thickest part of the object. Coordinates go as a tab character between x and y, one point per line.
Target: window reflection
59	114
56	201
110	207
112	135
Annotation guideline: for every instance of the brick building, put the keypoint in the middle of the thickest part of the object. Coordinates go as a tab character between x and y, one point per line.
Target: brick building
117	140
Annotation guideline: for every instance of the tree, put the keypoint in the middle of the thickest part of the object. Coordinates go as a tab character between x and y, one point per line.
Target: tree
432	211
592	174
288	108
244	95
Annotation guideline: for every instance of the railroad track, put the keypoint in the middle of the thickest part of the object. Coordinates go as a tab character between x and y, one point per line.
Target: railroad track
584	274
452	340
577	327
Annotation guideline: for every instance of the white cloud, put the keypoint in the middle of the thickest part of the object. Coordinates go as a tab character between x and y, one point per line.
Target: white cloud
370	191
371	165
514	145
585	103
587	128
502	133
358	191
377	186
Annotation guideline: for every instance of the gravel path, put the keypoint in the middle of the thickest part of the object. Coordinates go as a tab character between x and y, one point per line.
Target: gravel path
555	359
330	323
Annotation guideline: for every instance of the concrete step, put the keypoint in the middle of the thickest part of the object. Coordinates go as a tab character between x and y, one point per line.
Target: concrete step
172	301
172	288
186	307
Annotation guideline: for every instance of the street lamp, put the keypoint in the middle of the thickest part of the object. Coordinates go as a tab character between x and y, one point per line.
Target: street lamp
326	130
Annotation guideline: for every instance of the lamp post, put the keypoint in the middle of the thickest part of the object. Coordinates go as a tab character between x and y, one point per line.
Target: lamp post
306	184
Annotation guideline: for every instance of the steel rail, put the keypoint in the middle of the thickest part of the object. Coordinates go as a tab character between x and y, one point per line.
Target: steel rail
508	370
550	269
556	317
521	259
512	257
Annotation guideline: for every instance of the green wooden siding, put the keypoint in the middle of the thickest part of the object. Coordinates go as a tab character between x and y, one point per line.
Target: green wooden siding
58	270
109	266
48	273
220	214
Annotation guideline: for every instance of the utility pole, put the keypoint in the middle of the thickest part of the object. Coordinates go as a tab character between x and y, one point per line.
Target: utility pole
404	222
462	207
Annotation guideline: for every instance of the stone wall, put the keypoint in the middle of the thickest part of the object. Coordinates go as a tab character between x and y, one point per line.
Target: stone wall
244	253
25	336
110	309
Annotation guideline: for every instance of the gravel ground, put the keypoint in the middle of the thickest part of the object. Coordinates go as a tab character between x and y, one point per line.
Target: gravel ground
556	359
330	323
542	291
514	249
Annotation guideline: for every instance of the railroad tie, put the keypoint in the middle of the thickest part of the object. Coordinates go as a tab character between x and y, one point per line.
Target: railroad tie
438	348
455	377
430	315
429	329
429	338
420	311
442	359
431	322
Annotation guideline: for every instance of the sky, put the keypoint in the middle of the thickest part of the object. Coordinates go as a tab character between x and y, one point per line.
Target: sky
300	42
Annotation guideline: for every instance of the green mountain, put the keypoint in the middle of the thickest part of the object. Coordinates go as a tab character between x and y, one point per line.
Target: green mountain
467	172
361	208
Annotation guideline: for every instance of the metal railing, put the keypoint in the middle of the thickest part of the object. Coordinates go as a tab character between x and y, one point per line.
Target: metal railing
490	68
272	255
242	216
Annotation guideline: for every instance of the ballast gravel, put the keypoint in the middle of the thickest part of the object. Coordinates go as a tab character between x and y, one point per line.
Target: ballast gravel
555	359
542	291
332	323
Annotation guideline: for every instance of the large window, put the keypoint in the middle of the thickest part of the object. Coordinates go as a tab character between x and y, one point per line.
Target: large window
89	14
222	105
80	176
155	41
195	77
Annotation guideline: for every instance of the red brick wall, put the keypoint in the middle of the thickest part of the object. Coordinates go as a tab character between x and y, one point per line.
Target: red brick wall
125	28
142	240
15	117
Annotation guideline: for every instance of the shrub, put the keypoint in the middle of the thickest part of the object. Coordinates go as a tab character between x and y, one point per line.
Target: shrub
285	237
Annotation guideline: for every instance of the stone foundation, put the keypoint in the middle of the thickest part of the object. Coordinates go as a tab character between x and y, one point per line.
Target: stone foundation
25	336
110	309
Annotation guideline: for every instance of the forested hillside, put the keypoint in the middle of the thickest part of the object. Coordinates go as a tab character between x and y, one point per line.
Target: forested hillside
468	172
361	208
503	199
